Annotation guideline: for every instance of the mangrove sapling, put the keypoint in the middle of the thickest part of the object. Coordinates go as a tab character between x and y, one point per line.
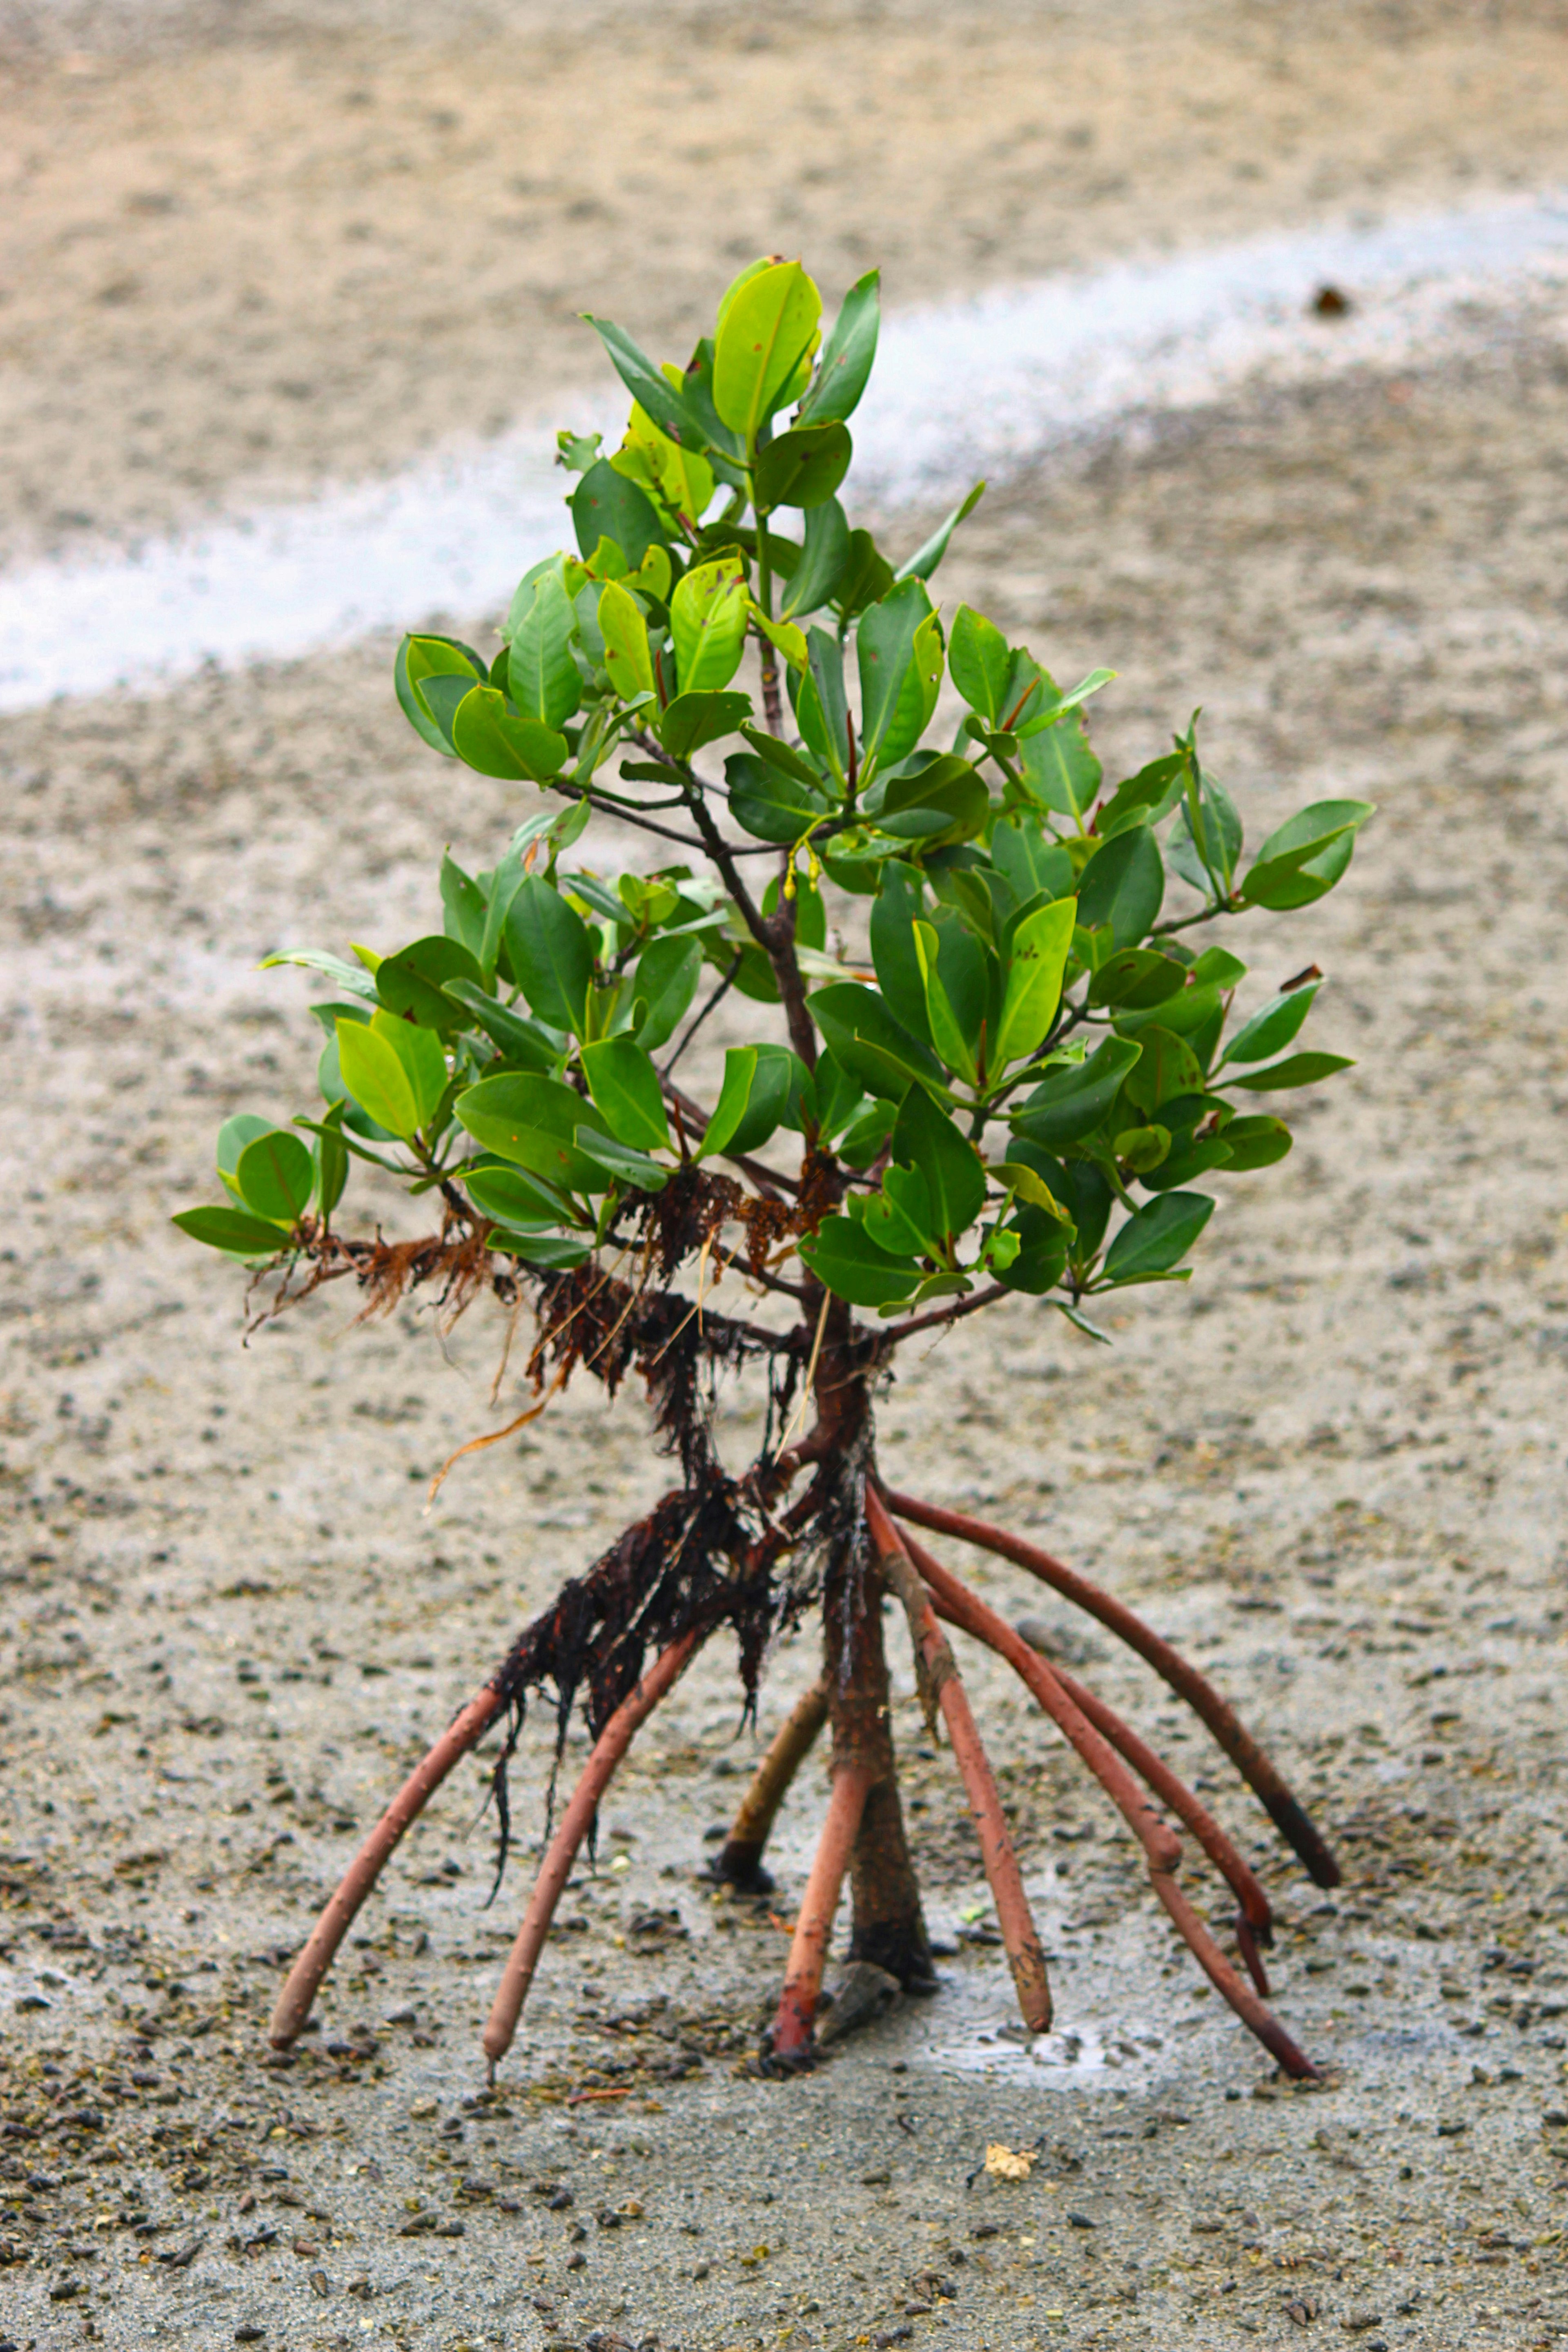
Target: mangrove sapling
1011	1091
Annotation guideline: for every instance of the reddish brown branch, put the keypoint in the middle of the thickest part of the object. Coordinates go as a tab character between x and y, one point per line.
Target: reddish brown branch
965	1608
791	2037
575	1823
739	1861
1256	1768
1255	1923
1024	1955
304	1977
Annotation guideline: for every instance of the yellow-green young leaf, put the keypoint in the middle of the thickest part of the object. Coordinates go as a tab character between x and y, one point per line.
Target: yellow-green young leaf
394	1071
625	632
654	574
1040	949
949	1039
708	624
790	641
767	330
1029	1187
625	1085
682	480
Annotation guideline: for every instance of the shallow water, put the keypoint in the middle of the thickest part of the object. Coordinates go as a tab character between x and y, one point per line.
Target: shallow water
986	385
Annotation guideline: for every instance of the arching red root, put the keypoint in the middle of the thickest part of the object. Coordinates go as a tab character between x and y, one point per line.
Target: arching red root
1289	1817
1255	1921
1020	1940
964	1608
790	2040
740	1859
575	1823
305	1977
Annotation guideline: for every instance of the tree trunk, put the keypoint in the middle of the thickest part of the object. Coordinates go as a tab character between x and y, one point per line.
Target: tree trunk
888	1926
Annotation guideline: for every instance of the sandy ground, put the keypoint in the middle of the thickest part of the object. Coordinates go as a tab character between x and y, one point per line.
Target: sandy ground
1333	1469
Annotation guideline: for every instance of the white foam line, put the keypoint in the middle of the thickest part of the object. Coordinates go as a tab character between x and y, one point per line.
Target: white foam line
963	388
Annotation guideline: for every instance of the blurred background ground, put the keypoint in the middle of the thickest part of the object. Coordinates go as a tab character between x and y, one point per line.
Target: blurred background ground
244	257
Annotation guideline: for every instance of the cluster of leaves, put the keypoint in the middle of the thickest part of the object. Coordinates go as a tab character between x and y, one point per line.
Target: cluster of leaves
1028	1042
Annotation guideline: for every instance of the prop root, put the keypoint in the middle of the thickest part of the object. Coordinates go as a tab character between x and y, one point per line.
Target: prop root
1254	1920
1021	1942
575	1823
305	1976
1289	1818
739	1861
1160	1844
790	2040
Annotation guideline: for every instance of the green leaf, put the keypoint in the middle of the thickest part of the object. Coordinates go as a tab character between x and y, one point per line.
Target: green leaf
395	1072
628	657
351	978
899	974
898	1218
1041	945
1212	871
543	679
845	366
605	505
1154	1241
955	1039
698	717
412	983
707	624
802	467
1220	966
647	384
1123	886
1141	1150
551	955
783	757
765	330
1031	862
1060	767
836	1095
621	1162
1041	1254
848	1261
769	804
1275	1026
885	647
1295	1070
1168	1067
926	557
739	1075
941	799
624	1082
488	736
541	1249
1055	706
232	1137
868	576
664	985
1257	1143
463	904
1145	798
1071	1102
276	1176
980	662
822	706
926	1139
1137	978
775	1092
1030	1188
514	1198
868	1041
528	1043
1186	1013
232	1230
1304	857
815	581
865	1135
534	1123
422	657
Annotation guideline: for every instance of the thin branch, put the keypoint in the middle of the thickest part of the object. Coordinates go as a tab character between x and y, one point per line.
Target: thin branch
941	1314
716	998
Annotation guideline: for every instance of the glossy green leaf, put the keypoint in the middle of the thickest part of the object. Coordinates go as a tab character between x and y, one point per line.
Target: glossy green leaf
412	983
513	1197
1070	1102
232	1230
767	328
1041	1254
980	662
802	467
625	1085
783	757
664	985
929	554
627	656
422	657
1273	1027
767	803
621	1163
534	1121
926	1139
848	1261
647	384
276	1176
1061	768
868	576
232	1137
845	364
551	955
1145	798
774	1095
1295	1070
885	649
1303	858
1023	851
708	616
1123	886
559	1255
353	978
822	705
1157	1239
1040	948
824	555
894	955
1167	1068
1137	978
1211	872
488	736
528	1045
934	800
898	1218
394	1071
605	505
955	1039
464	907
1140	1150
703	717
543	679
331	1160
867	1041
739	1075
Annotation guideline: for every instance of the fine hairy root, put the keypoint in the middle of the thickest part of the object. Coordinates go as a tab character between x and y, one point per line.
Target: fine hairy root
739	1861
942	1685
574	1825
304	1977
1257	1770
1162	1849
790	2042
